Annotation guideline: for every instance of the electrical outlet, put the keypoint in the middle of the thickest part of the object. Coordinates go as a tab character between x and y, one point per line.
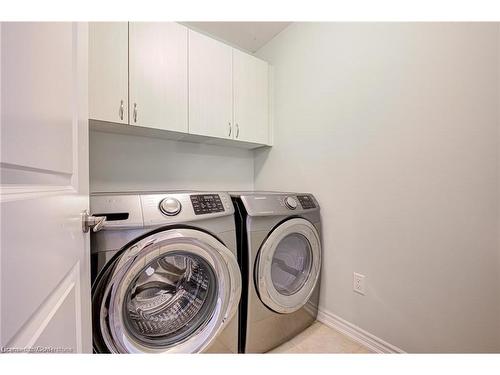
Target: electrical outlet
358	283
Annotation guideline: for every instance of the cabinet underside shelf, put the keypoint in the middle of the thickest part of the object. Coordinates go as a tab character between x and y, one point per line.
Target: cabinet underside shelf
141	131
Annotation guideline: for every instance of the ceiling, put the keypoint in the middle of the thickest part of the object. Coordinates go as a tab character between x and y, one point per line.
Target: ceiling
249	36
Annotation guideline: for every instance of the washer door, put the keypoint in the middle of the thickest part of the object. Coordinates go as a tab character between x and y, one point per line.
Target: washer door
288	266
171	292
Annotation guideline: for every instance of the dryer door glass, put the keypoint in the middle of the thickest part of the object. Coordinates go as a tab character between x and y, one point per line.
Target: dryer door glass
170	299
291	264
288	265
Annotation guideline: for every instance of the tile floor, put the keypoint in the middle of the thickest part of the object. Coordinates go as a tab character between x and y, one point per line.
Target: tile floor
321	339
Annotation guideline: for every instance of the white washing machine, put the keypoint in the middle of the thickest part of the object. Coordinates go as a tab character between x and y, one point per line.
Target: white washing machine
165	273
279	251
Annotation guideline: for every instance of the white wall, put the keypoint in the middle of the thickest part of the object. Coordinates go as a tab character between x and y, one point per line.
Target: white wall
394	127
125	163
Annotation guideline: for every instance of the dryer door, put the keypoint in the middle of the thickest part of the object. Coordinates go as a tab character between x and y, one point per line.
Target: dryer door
171	292
288	266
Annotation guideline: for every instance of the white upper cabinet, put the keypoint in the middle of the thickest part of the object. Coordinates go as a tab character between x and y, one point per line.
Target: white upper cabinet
108	71
251	98
158	75
210	87
172	82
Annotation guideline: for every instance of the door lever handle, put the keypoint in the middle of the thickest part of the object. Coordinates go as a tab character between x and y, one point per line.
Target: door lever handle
94	222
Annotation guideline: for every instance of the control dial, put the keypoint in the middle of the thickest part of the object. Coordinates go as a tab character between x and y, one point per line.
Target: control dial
291	203
170	206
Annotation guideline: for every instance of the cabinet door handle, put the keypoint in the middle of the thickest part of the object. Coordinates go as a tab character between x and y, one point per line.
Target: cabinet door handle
237	130
121	110
230	129
135	112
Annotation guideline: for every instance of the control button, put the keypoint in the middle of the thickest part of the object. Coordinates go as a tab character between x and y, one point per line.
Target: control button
170	206
306	201
206	204
291	203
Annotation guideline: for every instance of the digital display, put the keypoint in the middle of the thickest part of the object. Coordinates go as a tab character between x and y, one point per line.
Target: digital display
206	203
306	201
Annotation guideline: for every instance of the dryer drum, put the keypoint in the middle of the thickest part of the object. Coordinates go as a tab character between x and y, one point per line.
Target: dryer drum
288	266
291	264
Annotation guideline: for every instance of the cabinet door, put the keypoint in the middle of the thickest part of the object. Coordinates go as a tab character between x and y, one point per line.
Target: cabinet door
251	98
108	71
158	75
210	87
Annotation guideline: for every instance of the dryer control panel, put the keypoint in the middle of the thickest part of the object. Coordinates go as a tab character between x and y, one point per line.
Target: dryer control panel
306	201
274	203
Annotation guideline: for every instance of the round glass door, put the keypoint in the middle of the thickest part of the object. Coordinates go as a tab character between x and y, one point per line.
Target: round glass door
173	291
170	299
291	264
288	266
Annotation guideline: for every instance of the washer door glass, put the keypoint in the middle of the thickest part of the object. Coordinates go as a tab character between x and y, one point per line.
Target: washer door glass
170	299
171	292
291	264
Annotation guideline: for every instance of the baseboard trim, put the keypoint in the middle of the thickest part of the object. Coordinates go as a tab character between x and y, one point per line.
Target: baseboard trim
359	335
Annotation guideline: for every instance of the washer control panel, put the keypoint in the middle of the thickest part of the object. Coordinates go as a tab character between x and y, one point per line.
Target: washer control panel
206	203
306	201
137	210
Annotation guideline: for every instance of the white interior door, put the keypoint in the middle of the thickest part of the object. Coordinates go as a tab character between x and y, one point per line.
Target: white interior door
108	71
44	256
251	98
158	75
210	87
